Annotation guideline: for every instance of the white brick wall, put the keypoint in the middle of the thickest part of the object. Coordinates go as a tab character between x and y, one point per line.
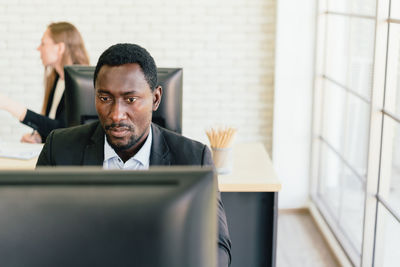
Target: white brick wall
226	48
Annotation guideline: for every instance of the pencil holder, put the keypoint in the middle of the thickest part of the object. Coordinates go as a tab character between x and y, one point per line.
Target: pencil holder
223	159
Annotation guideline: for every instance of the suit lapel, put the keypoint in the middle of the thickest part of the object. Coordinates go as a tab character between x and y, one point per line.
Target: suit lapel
94	151
159	154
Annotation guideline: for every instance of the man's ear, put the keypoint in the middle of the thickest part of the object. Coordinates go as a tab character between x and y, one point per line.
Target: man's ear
157	94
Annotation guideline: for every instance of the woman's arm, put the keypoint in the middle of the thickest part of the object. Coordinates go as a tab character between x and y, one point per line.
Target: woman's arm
44	125
16	109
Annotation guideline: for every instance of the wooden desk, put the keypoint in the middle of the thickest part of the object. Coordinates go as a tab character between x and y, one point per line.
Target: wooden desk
250	197
17	164
252	171
19	149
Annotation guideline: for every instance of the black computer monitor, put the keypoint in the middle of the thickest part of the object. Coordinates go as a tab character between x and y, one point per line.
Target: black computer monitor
79	97
93	217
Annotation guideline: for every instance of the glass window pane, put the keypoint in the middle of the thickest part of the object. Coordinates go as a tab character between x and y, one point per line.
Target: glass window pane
357	133
334	105
395	9
343	194
350	47
362	32
363	7
389	187
337	43
387	239
392	94
330	172
352	207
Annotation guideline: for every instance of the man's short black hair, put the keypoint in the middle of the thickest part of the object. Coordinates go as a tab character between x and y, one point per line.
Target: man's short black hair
120	54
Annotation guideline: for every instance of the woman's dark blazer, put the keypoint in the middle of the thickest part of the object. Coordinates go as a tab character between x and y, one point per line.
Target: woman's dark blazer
43	124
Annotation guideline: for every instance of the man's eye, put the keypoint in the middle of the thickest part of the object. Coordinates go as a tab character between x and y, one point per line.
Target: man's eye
104	98
131	99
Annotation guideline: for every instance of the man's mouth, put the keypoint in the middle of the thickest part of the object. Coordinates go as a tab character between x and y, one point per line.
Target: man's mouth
118	131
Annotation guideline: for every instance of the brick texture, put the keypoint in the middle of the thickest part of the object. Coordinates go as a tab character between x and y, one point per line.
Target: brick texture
225	47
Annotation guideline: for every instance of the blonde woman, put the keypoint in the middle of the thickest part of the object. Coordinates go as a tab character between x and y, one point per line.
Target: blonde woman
61	45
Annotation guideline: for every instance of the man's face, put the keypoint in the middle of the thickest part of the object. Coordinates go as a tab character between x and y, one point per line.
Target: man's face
124	103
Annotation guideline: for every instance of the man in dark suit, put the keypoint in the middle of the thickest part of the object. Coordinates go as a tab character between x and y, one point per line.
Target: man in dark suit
125	80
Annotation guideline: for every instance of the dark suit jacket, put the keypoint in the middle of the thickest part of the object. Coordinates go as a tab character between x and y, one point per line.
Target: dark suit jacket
84	145
43	124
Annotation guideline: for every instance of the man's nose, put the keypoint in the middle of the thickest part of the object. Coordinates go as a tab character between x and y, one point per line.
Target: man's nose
118	112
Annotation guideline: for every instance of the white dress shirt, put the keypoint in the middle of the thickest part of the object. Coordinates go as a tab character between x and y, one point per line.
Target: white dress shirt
140	161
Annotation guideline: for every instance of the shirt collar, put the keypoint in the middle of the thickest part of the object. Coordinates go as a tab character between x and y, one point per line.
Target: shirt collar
142	156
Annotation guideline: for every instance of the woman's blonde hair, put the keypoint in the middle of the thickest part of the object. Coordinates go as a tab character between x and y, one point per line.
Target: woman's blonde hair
74	53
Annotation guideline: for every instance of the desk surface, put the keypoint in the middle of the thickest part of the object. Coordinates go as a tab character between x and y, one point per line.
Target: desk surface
16	152
14	164
252	170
